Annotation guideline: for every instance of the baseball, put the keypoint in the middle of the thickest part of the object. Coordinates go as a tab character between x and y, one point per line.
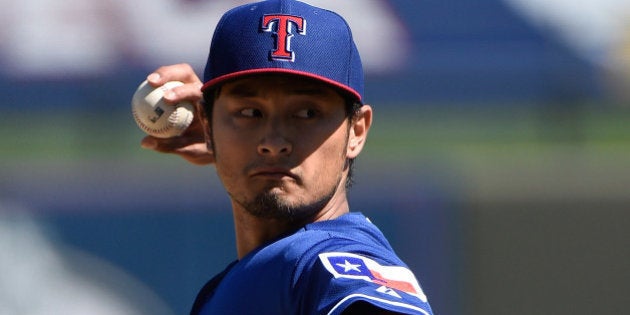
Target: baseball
157	118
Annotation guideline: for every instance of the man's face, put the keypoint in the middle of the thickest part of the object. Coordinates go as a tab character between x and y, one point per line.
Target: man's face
280	145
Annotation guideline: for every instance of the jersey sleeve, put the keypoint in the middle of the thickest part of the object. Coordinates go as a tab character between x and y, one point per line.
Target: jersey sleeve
338	279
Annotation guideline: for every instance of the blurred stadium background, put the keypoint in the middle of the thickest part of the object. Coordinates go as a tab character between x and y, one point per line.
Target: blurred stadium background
498	165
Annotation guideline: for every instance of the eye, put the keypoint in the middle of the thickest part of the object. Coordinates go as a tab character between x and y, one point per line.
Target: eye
250	112
306	113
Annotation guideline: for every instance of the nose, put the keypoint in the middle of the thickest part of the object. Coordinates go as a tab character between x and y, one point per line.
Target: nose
274	143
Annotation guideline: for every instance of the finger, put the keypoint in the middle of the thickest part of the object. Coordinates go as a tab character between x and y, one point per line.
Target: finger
164	145
190	92
179	72
193	152
196	153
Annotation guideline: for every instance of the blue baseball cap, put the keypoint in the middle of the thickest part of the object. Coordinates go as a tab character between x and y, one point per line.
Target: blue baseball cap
285	36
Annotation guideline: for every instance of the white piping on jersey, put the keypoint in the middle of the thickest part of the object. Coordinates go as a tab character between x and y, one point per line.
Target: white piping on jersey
379	300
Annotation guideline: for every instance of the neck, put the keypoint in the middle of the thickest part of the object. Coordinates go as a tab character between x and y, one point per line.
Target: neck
252	232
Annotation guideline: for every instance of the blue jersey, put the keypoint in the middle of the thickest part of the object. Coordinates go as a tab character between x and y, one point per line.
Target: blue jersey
320	269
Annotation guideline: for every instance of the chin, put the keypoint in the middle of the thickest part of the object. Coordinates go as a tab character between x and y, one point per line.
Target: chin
277	204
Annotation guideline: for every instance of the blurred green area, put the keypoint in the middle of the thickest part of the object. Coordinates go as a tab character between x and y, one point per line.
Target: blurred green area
488	152
467	132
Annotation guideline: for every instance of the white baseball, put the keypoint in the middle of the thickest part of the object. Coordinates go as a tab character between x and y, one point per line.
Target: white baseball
157	118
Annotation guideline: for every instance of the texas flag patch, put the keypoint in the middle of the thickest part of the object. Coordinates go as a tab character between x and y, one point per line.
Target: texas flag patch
392	279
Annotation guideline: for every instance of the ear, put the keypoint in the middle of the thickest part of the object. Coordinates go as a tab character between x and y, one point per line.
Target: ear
207	130
358	131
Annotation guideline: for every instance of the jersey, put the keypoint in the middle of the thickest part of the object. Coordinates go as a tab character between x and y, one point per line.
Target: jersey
321	269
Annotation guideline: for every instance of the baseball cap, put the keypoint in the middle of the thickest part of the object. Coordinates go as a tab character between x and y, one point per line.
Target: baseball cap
285	36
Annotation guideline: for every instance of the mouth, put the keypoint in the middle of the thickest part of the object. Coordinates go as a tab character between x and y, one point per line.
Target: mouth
274	173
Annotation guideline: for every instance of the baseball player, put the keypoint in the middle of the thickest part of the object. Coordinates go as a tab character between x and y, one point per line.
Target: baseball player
281	116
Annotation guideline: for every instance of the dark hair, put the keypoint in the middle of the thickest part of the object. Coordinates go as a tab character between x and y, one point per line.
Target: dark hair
353	108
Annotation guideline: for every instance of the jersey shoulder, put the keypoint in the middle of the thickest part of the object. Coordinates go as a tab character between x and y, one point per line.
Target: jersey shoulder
321	269
348	260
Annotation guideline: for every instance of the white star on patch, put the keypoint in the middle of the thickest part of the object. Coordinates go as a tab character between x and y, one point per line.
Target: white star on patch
347	266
